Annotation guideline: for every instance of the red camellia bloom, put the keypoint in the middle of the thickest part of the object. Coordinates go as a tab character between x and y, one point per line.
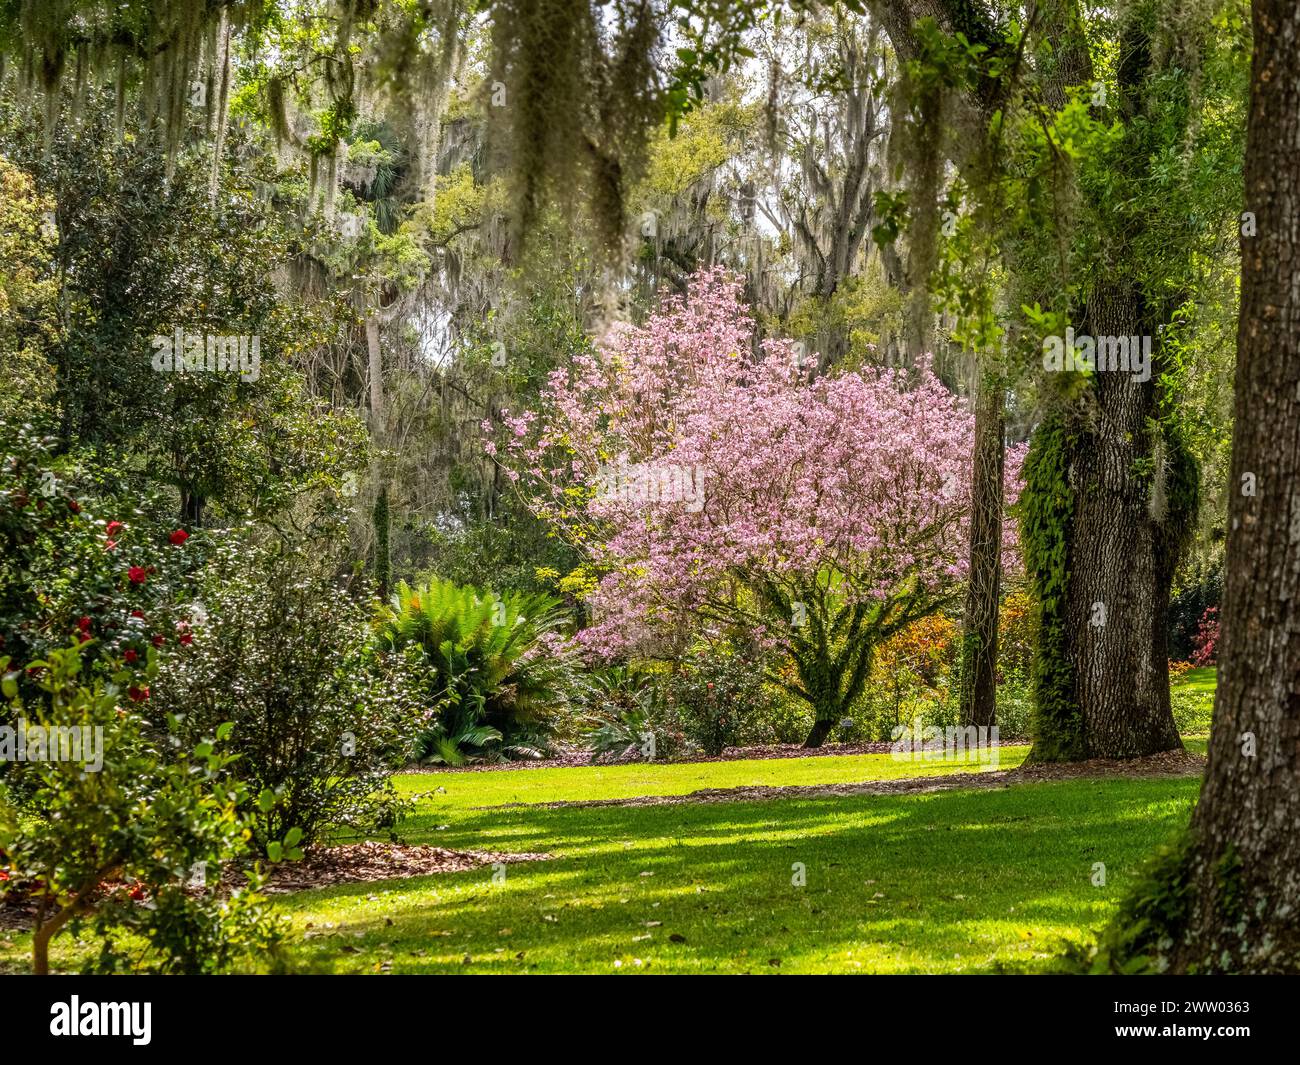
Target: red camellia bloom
83	623
131	655
138	695
186	639
179	537
158	640
74	506
137	574
113	528
137	614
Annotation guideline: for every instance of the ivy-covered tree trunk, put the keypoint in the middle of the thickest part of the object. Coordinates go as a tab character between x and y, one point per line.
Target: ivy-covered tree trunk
1117	594
979	665
1244	857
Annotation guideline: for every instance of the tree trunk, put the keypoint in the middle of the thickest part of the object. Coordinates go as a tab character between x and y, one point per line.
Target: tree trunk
193	505
1245	849
375	371
818	733
980	636
383	560
1121	569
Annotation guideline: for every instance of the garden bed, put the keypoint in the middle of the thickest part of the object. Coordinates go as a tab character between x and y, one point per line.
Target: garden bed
1168	763
352	863
581	756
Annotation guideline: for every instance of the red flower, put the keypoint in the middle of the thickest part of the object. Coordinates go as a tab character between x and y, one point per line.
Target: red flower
3	875
138	614
158	640
137	892
179	537
186	639
131	655
137	574
113	528
74	506
138	695
83	623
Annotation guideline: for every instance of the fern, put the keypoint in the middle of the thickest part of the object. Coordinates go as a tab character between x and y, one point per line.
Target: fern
492	664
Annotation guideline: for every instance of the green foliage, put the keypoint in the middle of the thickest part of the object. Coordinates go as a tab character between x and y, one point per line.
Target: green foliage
1151	919
383	560
499	673
717	694
1045	509
29	325
114	849
321	716
632	717
137	256
77	564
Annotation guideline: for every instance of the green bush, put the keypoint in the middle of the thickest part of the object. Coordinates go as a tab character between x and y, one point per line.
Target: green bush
499	671
717	694
321	716
632	718
114	843
74	565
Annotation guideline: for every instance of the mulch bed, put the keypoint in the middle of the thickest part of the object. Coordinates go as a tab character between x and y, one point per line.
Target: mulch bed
570	757
1167	764
352	863
364	863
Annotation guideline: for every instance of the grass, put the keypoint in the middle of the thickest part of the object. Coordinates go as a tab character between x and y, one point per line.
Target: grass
628	781
1192	697
1199	679
958	881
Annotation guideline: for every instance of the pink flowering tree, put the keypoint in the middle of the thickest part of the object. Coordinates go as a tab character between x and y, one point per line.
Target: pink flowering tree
714	487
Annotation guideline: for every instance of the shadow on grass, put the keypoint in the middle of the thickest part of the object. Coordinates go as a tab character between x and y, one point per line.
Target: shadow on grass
965	880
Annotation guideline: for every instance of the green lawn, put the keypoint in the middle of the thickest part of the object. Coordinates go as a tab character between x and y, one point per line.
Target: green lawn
1200	679
1192	696
628	781
957	881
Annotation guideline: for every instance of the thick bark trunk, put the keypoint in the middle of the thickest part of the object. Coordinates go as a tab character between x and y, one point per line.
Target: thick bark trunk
1245	856
1119	555
980	636
1118	593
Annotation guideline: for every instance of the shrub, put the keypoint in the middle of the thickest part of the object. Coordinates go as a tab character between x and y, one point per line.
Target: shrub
632	717
911	678
320	716
498	669
716	693
1016	634
1188	605
116	846
67	572
1206	641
